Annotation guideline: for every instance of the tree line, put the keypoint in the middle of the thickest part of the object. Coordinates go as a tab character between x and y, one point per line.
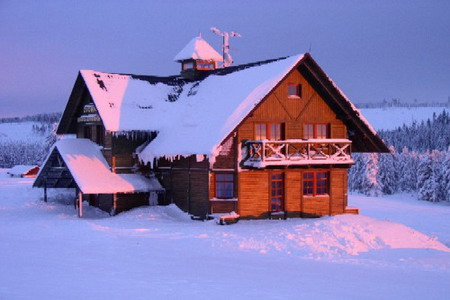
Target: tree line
422	166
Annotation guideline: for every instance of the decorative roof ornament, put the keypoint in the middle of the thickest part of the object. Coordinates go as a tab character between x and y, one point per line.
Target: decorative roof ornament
227	59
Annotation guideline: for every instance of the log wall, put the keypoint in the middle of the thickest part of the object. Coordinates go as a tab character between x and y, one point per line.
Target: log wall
186	181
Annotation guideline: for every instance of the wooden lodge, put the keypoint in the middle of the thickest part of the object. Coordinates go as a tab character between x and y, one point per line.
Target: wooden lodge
271	139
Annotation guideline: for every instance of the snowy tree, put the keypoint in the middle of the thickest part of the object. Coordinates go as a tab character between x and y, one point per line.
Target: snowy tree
425	180
446	176
369	180
388	172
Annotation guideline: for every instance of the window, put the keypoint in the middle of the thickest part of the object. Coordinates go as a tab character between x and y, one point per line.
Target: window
268	131
224	185
277	192
188	65
294	90
87	132
315	131
100	135
205	65
315	183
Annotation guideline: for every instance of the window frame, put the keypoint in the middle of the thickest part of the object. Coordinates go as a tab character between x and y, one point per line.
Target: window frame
298	90
217	182
268	129
317	188
200	65
315	130
281	195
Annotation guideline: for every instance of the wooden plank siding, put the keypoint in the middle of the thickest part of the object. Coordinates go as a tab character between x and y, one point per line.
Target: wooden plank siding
254	194
293	112
186	182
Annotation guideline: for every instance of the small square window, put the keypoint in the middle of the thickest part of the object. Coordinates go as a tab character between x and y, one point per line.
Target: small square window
294	90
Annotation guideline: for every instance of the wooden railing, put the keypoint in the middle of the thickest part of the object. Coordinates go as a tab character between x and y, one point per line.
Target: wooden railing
260	154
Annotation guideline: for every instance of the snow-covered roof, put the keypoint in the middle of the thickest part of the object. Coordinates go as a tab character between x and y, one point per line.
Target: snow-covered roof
198	48
92	174
204	112
21	169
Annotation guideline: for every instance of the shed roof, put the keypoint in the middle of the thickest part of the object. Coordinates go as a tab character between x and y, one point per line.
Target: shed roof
21	169
91	172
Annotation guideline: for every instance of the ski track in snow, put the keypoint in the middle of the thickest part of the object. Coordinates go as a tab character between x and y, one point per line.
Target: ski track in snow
392	250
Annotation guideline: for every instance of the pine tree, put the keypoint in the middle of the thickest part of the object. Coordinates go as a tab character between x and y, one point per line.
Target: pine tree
369	180
425	180
446	177
388	172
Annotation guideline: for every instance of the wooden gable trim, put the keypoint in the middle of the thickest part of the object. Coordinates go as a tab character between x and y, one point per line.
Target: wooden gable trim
331	95
68	122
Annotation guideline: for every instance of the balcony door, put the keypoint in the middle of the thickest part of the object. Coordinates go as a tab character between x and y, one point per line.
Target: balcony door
269	131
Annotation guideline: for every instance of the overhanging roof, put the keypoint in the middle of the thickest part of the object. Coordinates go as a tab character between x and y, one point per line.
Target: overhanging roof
80	163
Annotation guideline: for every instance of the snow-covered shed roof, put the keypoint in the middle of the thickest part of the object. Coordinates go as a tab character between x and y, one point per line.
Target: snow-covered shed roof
91	172
21	169
198	48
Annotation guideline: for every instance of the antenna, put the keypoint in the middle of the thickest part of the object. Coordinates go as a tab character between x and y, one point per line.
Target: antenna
227	59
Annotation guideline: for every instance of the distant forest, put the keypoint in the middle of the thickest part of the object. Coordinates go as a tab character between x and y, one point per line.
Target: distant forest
419	162
41	118
29	153
396	102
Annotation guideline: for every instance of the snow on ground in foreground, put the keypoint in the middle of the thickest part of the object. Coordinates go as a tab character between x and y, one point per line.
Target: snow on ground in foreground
392	117
158	252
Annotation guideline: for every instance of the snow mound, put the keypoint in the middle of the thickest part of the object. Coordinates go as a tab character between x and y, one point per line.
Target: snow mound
345	235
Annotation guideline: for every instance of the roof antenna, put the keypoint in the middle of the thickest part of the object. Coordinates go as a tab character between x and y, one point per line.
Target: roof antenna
310	47
227	59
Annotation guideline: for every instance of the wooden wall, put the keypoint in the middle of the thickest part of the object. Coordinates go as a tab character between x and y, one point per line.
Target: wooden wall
293	112
254	194
186	181
126	202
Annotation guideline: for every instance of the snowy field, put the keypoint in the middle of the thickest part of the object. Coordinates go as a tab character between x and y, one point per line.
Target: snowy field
391	117
21	131
396	249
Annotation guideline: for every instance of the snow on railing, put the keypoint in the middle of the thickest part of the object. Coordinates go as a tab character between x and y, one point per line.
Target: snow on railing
259	154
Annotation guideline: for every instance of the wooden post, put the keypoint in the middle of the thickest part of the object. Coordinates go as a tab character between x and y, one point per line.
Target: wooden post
80	204
45	189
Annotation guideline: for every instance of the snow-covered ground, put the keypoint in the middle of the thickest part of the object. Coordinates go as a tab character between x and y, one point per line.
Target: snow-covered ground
21	131
392	117
396	249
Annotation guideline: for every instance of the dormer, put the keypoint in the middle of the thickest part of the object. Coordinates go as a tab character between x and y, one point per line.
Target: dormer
196	57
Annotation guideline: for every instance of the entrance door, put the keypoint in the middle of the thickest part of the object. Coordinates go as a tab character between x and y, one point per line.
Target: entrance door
277	192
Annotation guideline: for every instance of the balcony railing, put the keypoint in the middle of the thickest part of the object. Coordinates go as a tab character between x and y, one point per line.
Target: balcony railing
260	154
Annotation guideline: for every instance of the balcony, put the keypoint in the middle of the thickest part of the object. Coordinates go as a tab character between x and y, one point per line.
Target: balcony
265	153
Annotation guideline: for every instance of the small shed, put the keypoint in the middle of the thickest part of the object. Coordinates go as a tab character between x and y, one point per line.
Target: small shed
27	171
79	164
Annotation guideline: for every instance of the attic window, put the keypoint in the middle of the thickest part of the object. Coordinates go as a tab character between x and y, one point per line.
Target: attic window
204	65
294	90
188	65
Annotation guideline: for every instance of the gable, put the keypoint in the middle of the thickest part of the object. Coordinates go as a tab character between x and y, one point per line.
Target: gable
323	102
278	107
